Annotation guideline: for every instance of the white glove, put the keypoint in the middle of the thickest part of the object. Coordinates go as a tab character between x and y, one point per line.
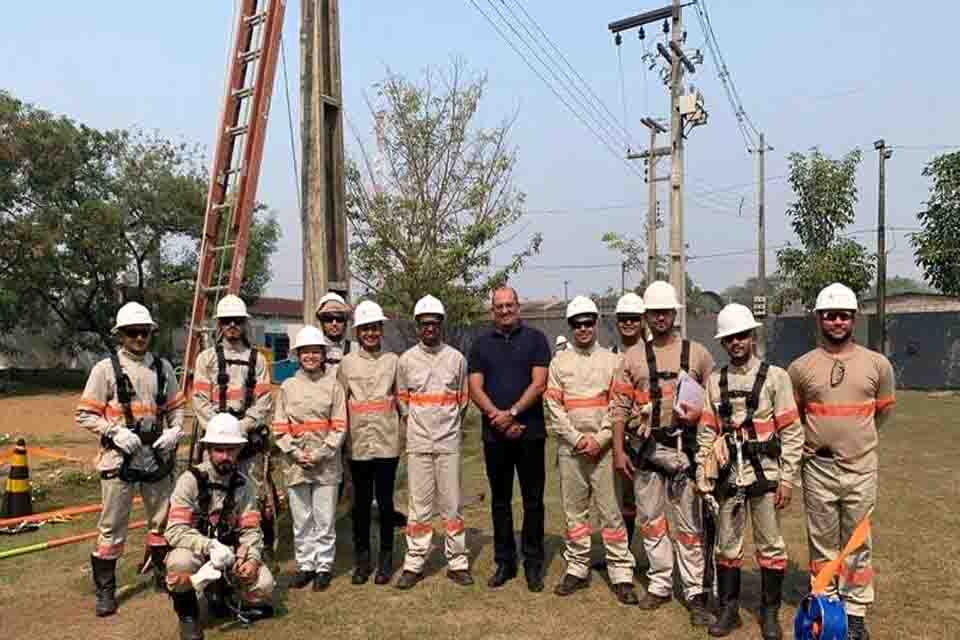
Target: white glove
206	575
168	440
126	440
221	556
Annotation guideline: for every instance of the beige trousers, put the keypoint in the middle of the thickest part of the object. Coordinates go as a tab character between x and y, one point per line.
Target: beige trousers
434	481
117	496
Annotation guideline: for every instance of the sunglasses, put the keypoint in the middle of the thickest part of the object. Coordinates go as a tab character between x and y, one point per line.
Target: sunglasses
583	324
833	316
743	335
428	323
836	373
226	322
340	319
629	319
137	333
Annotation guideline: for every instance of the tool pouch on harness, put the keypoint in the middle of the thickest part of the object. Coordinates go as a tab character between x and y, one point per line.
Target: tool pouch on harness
147	438
224	530
258	440
751	449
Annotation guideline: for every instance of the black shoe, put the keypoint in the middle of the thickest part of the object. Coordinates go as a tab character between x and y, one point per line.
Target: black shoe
599	565
700	615
625	593
217	600
254	612
569	584
772	581
857	628
185	604
461	577
361	568
649	601
534	576
158	561
728	589
408	580
322	580
301	579
384	568
105	581
399	520
504	573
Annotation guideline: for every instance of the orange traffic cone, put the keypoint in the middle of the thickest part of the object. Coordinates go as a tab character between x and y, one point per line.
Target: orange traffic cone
16	499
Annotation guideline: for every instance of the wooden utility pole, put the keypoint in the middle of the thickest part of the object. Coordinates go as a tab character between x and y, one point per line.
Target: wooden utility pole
885	153
323	216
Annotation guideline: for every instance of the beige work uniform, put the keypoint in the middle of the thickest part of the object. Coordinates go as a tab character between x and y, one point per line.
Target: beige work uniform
432	394
99	412
775	417
191	548
662	485
843	400
578	385
622	485
370	382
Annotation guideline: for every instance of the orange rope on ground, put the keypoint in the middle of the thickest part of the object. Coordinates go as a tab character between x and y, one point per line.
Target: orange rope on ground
43	452
69	511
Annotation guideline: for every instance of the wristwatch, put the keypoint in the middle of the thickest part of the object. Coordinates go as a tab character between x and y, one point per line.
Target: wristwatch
514	412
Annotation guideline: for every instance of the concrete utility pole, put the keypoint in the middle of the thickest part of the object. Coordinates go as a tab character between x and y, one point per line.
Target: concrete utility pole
651	156
566	297
760	300
323	217
885	153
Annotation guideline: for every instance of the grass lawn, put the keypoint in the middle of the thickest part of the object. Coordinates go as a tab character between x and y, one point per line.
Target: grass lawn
917	561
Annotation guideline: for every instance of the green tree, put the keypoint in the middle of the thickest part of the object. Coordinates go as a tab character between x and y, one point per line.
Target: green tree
901	284
90	218
744	293
937	246
825	193
427	216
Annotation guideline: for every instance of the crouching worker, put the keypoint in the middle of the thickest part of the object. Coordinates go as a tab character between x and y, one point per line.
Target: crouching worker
214	518
309	427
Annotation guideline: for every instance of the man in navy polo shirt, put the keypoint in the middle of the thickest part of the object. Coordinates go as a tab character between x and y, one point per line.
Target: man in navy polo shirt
508	375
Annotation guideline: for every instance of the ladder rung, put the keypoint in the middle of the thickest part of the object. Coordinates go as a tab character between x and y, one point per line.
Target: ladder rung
256	18
215	288
225	247
221	206
238	131
250	56
240	94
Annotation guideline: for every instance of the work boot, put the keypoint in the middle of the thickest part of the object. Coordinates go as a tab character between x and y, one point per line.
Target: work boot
408	579
361	568
105	581
216	593
461	577
301	579
857	628
569	584
650	601
534	576
625	593
505	572
158	560
772	580
185	604
321	581
728	589
254	612
384	568
700	615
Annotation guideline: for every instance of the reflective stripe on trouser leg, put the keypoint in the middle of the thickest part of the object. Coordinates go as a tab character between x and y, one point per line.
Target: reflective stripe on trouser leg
117	498
422	488
314	534
771	549
575	495
156	503
836	501
686	528
450	508
620	561
650	490
183	563
731	522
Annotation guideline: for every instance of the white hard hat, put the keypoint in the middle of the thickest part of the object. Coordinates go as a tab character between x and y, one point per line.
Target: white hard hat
659	296
368	312
630	303
581	305
232	306
561	340
836	296
733	319
428	305
224	428
331	297
310	336
133	313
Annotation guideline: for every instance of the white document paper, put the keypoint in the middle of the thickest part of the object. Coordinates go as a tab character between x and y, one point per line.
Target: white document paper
206	575
689	392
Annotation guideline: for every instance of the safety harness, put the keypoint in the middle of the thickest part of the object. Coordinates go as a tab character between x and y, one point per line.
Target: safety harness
224	530
125	395
258	440
750	448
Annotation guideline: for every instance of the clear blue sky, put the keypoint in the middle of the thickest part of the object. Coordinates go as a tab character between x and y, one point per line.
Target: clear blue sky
836	75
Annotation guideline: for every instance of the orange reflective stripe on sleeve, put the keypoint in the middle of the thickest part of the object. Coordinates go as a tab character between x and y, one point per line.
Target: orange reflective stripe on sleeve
311	426
139	410
435	399
387	405
92	406
554	394
596	402
579	532
156	540
885	403
623	388
655	530
180	515
856	410
785	419
199	385
262	388
250	520
707	419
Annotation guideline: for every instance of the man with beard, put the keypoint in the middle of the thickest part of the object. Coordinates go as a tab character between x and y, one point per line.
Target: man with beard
748	457
508	374
662	444
845	394
214	518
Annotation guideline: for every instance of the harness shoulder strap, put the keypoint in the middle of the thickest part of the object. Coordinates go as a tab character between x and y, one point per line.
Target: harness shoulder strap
753	400
124	387
726	407
222	378
655	392
203	490
251	380
161	397
685	355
